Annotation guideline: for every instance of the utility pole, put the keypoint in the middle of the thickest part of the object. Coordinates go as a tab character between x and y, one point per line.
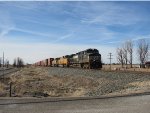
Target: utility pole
3	67
0	62
110	57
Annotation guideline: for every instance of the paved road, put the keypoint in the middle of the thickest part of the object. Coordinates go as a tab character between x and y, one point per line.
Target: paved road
136	104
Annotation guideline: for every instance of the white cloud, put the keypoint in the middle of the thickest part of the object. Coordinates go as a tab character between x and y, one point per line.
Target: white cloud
33	32
63	37
24	5
141	37
6	23
108	13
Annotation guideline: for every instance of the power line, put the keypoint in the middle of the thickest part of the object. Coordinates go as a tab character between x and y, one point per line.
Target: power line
110	58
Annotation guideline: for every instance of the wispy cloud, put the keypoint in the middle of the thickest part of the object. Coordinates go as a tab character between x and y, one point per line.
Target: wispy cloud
6	24
134	39
112	19
26	5
32	32
5	31
141	37
112	14
63	37
114	42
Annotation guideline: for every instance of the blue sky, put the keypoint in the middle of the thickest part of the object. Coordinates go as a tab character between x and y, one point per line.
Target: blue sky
37	30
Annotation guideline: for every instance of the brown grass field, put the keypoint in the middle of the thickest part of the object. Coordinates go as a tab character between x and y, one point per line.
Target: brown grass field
119	68
50	81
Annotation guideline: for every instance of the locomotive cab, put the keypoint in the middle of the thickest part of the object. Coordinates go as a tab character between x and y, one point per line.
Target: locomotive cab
95	60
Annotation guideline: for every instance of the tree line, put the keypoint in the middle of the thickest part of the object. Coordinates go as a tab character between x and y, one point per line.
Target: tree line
18	62
125	52
6	63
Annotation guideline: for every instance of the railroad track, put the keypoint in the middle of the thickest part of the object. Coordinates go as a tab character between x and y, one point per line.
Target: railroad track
7	71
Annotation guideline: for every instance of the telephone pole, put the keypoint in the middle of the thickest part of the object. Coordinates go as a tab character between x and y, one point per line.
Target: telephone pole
110	58
3	66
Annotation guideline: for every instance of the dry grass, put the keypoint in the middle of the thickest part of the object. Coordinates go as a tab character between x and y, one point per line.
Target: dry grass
38	82
34	81
2	89
140	84
118	67
134	87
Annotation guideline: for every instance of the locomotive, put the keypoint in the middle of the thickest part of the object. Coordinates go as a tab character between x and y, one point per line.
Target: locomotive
89	58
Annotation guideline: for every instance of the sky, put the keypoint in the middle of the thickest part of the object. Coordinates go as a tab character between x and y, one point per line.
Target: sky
38	30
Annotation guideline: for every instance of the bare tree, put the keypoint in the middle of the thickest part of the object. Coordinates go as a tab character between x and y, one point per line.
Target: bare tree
20	62
0	62
130	52
142	51
15	63
125	53
7	63
120	56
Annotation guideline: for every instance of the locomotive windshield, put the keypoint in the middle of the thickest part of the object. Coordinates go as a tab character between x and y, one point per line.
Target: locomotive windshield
94	56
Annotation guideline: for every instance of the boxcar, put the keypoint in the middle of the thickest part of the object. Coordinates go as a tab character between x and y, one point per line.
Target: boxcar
46	62
50	61
43	63
55	62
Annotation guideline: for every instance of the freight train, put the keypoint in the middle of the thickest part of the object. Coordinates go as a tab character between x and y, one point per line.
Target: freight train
89	58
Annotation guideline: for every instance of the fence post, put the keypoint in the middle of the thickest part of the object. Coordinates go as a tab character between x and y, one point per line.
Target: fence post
10	90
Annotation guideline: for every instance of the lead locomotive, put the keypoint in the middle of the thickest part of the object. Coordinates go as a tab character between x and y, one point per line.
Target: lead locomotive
89	58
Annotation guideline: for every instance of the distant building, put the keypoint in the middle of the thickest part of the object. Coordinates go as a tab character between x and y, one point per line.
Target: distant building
147	64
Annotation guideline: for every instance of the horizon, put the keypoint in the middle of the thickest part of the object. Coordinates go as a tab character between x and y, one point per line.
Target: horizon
38	30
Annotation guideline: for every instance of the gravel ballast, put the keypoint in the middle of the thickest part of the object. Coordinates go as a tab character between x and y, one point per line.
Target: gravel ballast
76	82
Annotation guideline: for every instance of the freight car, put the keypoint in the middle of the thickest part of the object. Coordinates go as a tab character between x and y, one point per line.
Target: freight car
55	62
43	63
50	61
63	61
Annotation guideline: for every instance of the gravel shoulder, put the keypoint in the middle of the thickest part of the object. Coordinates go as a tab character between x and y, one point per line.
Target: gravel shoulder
75	82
